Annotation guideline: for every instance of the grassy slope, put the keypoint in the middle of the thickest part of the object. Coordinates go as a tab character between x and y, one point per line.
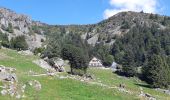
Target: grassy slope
54	88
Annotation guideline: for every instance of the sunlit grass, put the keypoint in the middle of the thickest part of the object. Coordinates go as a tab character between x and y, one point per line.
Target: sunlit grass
54	88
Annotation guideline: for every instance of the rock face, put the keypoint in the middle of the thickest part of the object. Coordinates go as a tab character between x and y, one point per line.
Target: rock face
18	21
14	24
118	25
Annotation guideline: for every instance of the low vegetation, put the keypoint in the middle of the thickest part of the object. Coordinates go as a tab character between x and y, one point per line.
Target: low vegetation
18	43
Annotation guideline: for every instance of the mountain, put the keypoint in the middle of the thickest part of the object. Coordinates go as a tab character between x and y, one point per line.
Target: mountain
104	31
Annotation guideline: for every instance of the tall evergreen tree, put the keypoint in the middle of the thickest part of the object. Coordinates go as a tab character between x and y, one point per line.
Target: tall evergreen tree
156	71
128	64
77	58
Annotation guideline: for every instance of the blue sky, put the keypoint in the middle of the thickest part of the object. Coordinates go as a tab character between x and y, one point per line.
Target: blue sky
81	11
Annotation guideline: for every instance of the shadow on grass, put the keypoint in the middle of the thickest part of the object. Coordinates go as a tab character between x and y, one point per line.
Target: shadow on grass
144	85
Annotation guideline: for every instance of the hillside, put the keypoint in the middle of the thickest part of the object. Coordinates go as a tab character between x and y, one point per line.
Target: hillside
106	31
63	86
137	42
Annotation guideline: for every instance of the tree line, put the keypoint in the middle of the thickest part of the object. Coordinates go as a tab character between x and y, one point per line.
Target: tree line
147	48
17	43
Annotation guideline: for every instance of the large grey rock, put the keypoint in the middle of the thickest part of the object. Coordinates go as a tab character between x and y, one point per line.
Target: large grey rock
58	64
7	73
93	40
21	21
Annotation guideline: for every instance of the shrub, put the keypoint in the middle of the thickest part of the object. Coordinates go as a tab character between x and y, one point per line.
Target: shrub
10	28
38	50
19	43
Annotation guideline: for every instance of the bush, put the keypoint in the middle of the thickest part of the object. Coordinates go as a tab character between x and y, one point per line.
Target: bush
125	25
38	50
108	60
10	28
19	43
4	40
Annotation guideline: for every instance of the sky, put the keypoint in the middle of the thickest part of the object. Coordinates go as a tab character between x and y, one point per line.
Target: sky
82	11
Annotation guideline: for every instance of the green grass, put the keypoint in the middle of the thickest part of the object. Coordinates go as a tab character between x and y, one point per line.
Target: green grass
132	84
54	88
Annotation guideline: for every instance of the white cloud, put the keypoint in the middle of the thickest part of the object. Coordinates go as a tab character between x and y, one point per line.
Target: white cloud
149	6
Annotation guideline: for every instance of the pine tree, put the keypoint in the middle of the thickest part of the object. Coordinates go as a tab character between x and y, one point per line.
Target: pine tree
77	58
156	71
128	64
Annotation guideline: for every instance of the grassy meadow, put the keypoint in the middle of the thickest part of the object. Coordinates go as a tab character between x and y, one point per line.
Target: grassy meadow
55	88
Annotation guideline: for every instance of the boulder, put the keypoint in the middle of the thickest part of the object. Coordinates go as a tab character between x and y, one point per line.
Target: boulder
8	76
57	64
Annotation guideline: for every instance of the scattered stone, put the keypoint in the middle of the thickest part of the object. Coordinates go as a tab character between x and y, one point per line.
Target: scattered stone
62	77
12	89
4	92
7	73
89	77
23	88
18	96
163	90
26	52
10	84
35	84
50	74
146	95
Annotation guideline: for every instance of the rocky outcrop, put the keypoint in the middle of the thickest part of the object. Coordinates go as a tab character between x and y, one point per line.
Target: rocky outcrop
14	24
18	21
7	73
43	64
11	86
57	64
10	82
